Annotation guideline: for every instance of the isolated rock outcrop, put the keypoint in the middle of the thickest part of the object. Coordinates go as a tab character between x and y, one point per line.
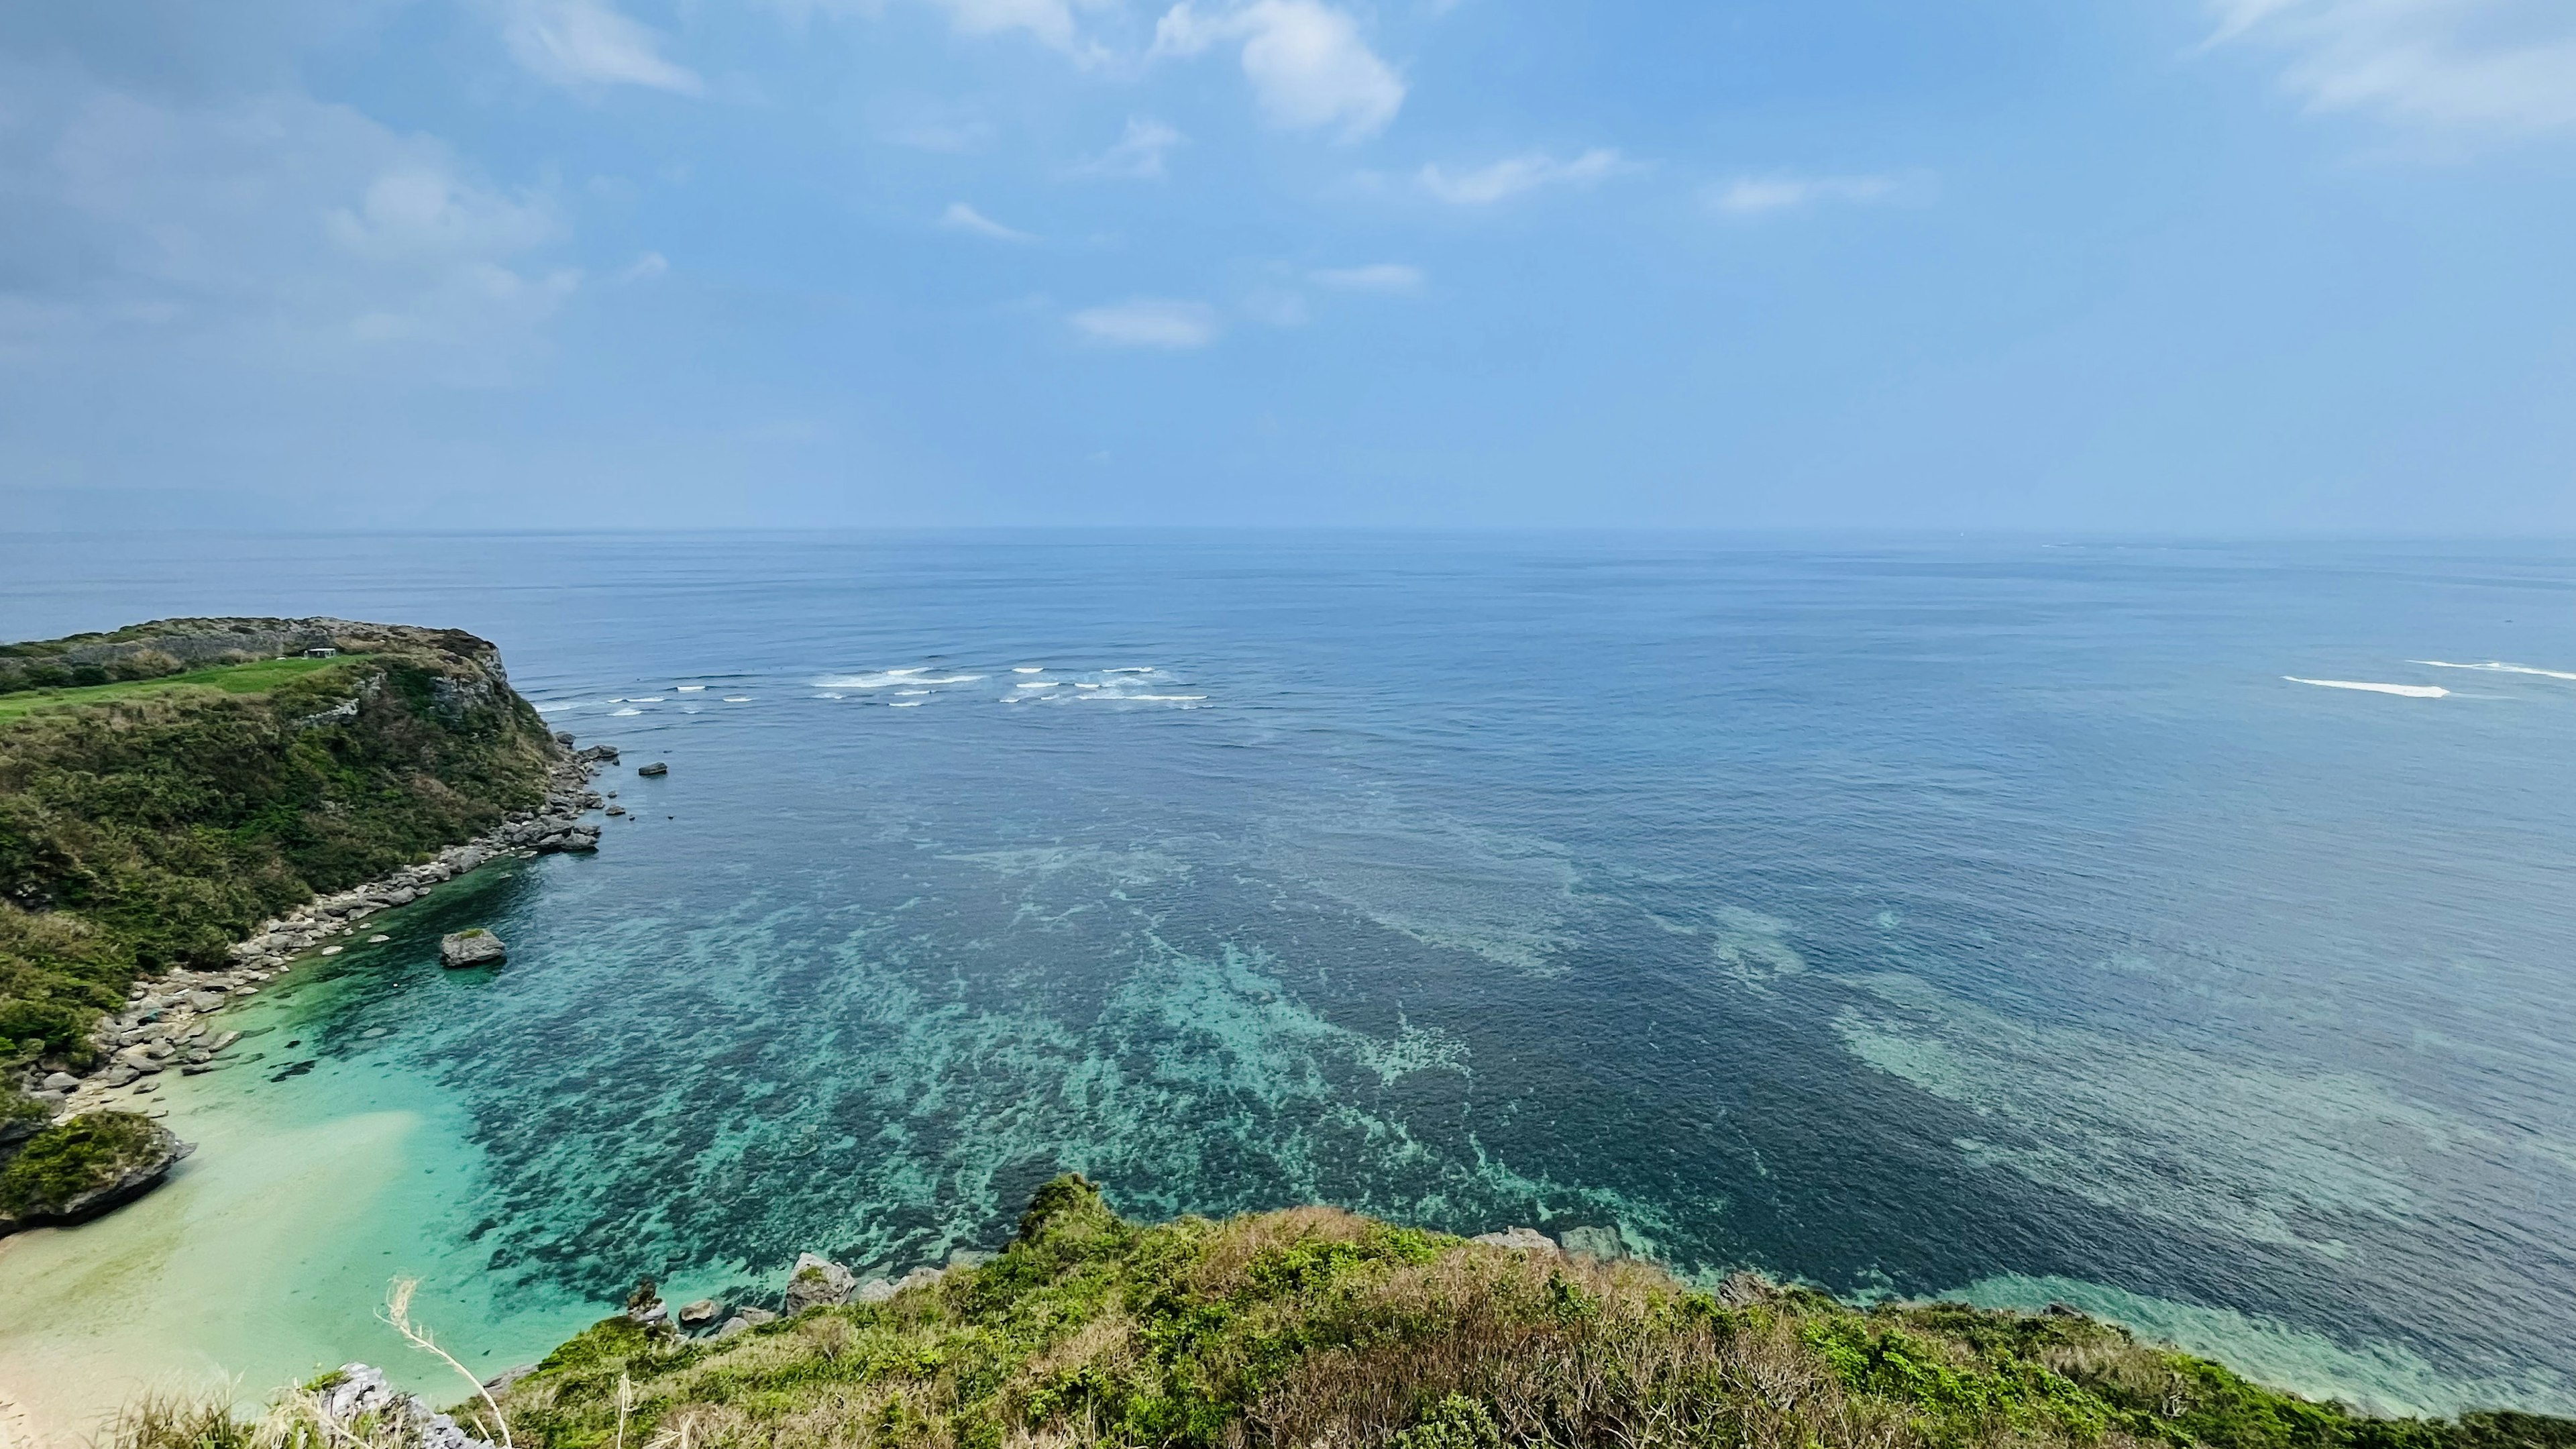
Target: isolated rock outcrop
476	947
80	1168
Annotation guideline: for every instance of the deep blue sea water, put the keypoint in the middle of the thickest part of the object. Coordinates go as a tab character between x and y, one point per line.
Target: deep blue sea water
1977	916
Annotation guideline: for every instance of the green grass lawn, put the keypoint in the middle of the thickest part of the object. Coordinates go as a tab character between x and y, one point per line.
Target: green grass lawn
255	678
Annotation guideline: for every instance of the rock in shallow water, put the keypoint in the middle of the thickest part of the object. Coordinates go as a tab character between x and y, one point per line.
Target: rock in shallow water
476	947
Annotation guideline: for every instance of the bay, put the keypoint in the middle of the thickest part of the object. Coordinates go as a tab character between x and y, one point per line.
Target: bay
1981	917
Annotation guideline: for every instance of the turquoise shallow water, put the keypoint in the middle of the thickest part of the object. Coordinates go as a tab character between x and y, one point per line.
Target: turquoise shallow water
1982	918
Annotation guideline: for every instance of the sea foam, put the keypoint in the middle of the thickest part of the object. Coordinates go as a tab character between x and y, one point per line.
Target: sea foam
886	678
2411	691
2498	668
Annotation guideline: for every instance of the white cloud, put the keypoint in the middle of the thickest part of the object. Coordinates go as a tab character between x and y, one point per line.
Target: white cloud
2490	64
1509	178
421	210
1309	68
643	269
1763	195
588	43
275	232
1138	155
961	217
1174	326
1375	277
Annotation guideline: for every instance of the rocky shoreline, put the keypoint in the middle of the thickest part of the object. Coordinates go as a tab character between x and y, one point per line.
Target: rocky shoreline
166	1023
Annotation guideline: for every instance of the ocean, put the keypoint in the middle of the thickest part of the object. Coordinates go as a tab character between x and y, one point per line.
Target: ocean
2178	931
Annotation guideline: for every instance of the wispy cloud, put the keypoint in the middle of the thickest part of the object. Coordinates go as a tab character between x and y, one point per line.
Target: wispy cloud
1508	178
1764	195
643	269
1276	307
1158	322
1050	22
1375	277
589	43
961	217
2489	64
1309	67
1137	155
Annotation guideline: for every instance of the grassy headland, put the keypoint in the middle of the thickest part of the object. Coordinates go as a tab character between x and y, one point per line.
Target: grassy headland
257	677
1319	1327
148	822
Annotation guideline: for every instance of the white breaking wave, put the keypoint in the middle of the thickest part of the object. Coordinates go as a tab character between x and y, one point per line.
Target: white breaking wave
556	708
737	699
905	704
911	691
1040	684
691	688
889	677
1131	669
612	714
2411	691
1156	698
1028	669
2498	668
644	699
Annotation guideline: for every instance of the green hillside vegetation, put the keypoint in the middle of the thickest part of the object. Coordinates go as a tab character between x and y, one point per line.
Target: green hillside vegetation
254	678
151	824
1315	1327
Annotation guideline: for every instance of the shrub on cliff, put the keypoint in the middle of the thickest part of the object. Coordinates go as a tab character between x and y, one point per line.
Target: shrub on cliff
150	832
1318	1327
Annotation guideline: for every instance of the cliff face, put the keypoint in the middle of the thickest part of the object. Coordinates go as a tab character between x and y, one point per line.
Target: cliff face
148	824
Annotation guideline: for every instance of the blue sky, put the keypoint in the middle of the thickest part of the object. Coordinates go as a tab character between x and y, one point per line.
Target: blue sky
2171	266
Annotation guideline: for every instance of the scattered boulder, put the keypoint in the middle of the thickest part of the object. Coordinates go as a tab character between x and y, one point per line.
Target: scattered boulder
60	1082
644	1306
1520	1240
880	1290
818	1282
474	947
80	1168
655	768
204	1000
358	1392
1742	1289
22	1117
693	1315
